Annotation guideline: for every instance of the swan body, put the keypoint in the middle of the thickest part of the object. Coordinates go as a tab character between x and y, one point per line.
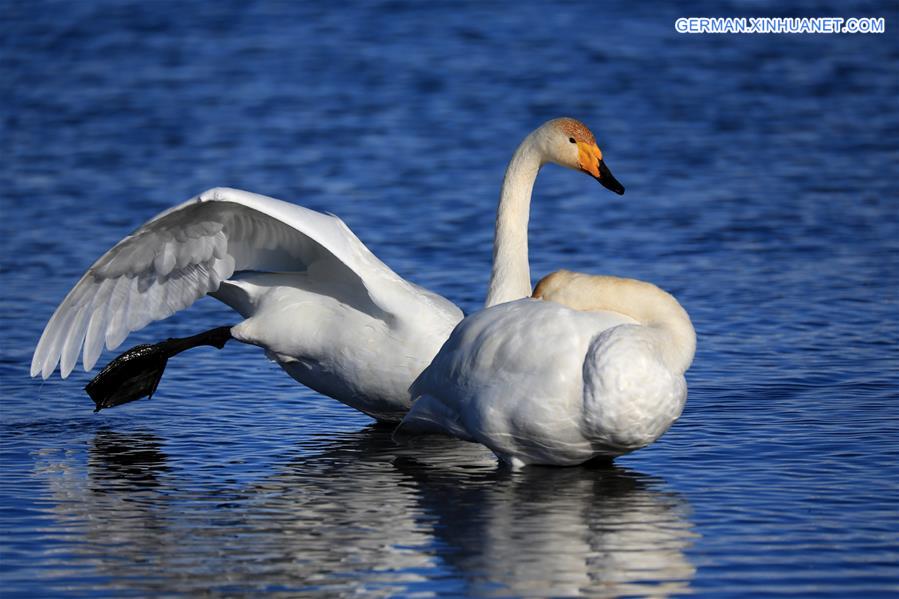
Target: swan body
589	367
312	295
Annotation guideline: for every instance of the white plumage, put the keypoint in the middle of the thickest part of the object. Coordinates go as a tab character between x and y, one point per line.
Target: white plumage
332	314
593	368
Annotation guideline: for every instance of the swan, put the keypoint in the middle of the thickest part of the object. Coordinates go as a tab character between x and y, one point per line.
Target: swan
586	367
320	304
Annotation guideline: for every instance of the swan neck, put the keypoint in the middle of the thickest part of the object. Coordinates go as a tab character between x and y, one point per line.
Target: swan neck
677	335
511	276
650	306
659	312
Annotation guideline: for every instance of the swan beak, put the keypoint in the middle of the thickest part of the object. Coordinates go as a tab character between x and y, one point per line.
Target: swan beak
608	180
590	161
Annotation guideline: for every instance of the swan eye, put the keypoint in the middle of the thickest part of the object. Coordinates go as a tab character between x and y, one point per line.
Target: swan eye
572	140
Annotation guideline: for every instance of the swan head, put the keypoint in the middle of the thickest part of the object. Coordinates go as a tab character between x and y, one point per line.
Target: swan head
569	143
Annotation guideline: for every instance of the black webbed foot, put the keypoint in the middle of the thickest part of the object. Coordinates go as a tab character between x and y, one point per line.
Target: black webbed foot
134	374
137	372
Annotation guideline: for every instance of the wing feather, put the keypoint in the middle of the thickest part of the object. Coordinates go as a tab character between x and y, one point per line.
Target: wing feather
117	329
185	253
95	335
72	343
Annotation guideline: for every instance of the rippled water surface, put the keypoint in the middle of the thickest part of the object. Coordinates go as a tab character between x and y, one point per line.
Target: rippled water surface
761	174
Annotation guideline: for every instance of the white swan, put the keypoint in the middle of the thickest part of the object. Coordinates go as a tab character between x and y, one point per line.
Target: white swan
589	367
313	296
323	307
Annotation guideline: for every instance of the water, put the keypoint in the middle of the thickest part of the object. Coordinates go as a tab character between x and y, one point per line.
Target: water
761	177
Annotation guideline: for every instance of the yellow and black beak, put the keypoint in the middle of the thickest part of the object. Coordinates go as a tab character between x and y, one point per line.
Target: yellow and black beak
591	162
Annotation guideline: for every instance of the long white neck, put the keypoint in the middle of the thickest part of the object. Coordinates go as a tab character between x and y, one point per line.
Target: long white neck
511	276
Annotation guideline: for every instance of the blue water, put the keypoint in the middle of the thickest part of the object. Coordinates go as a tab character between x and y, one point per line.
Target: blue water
761	190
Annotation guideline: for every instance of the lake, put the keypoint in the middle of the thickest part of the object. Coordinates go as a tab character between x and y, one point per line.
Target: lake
761	191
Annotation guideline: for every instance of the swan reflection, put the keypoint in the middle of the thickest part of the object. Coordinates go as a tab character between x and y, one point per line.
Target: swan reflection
364	515
560	531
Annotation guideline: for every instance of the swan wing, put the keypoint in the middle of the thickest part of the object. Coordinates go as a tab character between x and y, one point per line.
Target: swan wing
186	252
498	365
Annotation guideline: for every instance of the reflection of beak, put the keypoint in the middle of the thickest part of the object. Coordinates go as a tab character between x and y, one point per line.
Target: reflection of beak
608	180
590	161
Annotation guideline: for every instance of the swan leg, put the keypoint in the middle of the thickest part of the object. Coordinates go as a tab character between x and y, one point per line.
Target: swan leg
137	372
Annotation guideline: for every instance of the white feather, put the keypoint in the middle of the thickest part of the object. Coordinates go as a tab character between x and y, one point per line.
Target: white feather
195	249
539	382
72	345
165	258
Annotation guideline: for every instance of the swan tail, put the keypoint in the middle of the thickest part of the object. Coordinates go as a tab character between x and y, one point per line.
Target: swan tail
430	416
136	373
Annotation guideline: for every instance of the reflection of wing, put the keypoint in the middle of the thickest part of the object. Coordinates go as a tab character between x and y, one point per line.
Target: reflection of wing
337	519
185	253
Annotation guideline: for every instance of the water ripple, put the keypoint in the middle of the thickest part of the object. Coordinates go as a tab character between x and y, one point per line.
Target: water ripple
760	191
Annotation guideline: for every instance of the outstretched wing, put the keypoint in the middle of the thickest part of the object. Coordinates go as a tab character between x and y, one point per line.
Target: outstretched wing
186	252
